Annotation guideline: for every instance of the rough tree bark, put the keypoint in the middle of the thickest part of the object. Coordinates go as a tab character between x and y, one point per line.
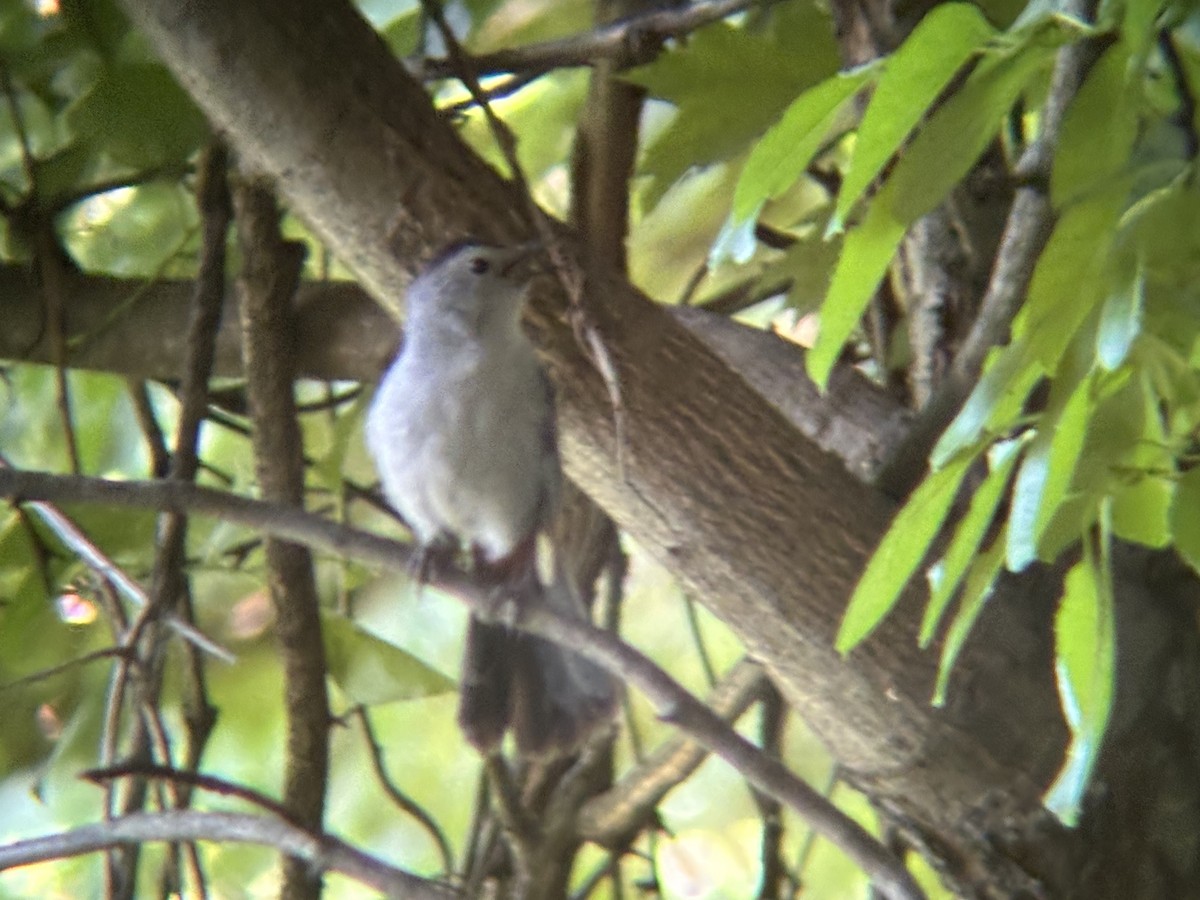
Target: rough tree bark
752	516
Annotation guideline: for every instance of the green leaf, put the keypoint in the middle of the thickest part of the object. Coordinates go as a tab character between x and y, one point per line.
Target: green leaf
1142	512
900	551
1085	647
1185	518
1008	377
138	114
1141	508
945	576
960	130
371	671
978	587
1067	282
1104	106
915	76
784	152
865	256
729	85
1121	319
1045	475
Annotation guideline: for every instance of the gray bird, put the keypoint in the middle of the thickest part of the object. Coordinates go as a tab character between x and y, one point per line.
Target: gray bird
462	432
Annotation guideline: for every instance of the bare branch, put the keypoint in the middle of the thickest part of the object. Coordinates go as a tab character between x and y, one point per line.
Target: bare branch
632	40
270	274
320	851
402	800
79	543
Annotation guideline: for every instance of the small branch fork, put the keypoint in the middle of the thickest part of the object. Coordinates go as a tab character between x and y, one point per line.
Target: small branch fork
631	40
671	701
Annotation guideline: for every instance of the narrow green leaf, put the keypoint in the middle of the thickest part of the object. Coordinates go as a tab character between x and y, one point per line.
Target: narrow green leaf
978	587
945	576
940	155
1104	106
1066	284
1045	475
785	151
865	256
1185	518
1085	647
1121	319
915	76
1008	377
959	131
1141	508
900	551
369	670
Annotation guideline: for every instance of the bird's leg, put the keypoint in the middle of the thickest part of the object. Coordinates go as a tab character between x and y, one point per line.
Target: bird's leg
431	558
509	581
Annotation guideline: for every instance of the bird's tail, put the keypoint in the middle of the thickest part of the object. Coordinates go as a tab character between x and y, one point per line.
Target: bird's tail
553	698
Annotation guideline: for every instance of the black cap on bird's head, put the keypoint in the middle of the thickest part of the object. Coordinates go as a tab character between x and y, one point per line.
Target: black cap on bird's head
482	257
473	283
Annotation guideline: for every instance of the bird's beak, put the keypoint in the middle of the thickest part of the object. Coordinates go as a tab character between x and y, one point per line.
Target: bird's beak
521	260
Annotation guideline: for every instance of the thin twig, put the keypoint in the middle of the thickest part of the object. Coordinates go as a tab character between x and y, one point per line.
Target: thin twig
76	541
170	172
773	713
43	674
170	591
693	620
191	779
631	40
319	850
400	798
38	226
156	444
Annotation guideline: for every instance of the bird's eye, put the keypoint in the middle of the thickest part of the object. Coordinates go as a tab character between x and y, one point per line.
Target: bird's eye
479	265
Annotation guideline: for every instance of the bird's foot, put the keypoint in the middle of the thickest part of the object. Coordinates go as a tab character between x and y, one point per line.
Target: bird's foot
430	559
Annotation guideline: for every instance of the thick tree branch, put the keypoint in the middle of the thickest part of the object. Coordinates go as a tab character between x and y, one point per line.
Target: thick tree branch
132	327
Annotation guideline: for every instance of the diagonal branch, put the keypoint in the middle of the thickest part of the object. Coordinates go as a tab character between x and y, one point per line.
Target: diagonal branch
671	701
622	810
321	852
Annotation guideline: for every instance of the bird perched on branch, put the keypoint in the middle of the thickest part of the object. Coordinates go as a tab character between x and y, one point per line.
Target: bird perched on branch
462	431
